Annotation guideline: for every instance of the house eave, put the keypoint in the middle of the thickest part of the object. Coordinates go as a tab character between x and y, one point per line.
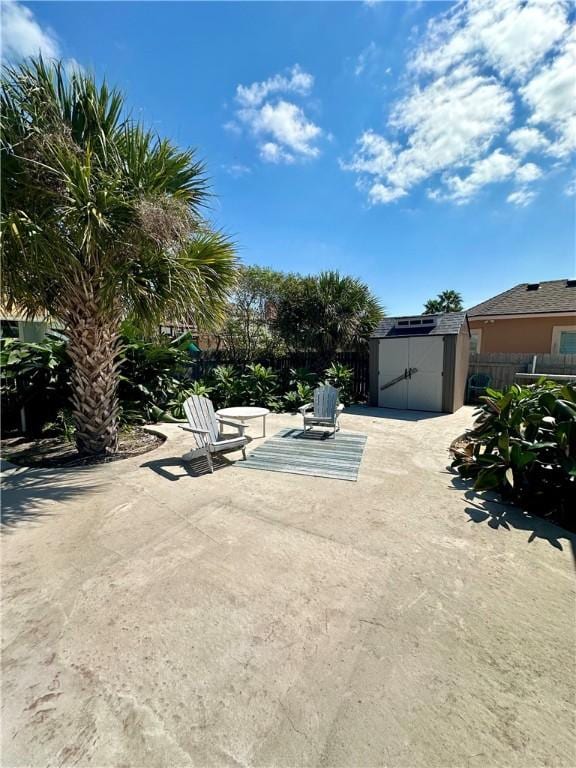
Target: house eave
523	315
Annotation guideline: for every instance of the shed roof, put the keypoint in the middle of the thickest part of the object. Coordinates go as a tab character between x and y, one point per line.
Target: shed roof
529	299
447	324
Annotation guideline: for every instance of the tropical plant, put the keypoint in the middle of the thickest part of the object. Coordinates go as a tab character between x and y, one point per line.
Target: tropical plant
150	377
327	312
447	301
62	425
302	376
523	445
342	377
226	385
175	406
259	385
101	221
34	377
298	397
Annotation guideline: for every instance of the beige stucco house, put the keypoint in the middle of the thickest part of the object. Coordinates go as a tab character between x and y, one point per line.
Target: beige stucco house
538	318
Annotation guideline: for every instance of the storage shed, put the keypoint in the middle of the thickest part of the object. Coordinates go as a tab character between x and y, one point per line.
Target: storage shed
420	363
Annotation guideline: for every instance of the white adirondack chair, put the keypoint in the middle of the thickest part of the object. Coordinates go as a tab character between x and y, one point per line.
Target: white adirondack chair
325	409
204	425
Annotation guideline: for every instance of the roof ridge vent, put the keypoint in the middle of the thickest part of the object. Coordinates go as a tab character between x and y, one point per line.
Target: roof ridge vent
418	320
532	286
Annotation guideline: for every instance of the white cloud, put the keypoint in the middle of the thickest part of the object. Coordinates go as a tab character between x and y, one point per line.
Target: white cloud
570	188
526	140
477	69
449	123
236	170
297	81
378	193
528	172
271	152
374	155
366	59
493	168
521	198
22	36
512	36
282	129
551	95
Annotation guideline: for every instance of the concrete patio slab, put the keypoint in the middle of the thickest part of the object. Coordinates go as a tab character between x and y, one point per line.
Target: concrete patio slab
157	617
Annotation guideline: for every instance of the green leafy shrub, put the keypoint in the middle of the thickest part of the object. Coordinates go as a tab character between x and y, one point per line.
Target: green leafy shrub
154	383
341	376
62	425
226	386
36	377
260	386
175	407
523	446
302	376
151	375
298	397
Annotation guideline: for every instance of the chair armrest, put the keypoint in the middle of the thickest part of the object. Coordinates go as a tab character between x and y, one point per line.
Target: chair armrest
240	427
197	431
304	408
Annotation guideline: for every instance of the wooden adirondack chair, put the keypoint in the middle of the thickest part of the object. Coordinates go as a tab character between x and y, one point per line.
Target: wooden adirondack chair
324	411
204	425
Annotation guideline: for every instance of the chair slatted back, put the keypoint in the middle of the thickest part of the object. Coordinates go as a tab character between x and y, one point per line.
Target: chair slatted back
200	414
325	401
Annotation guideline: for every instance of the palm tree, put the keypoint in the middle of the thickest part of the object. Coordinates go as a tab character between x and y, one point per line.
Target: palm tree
101	221
447	301
327	312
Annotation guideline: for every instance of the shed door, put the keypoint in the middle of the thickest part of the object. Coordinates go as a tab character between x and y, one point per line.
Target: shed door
425	386
392	362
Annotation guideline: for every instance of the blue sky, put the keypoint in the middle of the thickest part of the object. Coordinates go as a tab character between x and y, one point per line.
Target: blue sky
419	146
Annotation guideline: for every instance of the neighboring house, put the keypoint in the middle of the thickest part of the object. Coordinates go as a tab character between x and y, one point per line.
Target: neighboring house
538	318
15	323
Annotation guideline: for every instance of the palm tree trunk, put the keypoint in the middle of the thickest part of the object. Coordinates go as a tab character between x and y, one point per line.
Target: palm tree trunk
94	347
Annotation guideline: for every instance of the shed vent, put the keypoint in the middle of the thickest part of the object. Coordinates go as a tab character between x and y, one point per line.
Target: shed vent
570	283
532	286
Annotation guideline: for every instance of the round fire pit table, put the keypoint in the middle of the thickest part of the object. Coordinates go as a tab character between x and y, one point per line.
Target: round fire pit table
245	413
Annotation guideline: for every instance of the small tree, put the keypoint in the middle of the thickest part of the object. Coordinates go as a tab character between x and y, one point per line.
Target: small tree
447	301
249	328
327	312
101	221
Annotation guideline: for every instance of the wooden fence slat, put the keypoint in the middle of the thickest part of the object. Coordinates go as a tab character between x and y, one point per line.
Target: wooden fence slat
503	366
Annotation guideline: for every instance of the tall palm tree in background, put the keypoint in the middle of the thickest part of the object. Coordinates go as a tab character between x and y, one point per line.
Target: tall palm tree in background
101	221
447	301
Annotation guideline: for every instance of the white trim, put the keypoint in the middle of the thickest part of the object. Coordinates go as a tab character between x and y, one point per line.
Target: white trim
556	331
478	333
519	316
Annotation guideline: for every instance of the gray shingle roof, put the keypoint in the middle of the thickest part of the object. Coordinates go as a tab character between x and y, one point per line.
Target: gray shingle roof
446	325
551	296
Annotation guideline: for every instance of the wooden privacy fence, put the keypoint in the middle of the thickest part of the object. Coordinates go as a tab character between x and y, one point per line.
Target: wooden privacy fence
357	360
503	366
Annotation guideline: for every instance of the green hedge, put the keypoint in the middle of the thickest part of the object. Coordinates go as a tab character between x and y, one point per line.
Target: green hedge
154	382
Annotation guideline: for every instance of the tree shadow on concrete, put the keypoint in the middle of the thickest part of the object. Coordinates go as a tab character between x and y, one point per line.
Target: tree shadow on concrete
392	414
486	507
31	494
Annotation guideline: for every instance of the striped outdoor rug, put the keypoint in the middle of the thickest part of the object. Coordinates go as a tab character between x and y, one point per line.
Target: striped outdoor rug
310	453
